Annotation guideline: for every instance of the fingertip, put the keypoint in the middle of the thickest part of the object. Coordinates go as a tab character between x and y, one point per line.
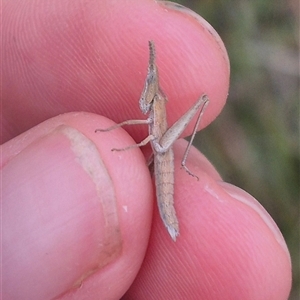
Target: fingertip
193	61
81	214
103	56
226	247
242	196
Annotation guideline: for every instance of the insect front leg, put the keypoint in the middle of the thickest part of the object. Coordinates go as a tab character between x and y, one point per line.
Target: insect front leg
174	132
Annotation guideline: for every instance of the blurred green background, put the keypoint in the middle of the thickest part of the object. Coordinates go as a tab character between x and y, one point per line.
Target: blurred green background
254	143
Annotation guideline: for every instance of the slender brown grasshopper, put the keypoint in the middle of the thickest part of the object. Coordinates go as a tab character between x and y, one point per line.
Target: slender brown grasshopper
153	102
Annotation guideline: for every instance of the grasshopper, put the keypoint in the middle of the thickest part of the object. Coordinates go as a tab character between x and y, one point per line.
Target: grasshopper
153	102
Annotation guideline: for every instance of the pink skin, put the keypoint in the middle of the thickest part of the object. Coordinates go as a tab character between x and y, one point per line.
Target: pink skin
60	238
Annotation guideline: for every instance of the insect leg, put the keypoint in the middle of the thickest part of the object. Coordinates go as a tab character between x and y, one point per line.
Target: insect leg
188	148
142	143
128	122
174	132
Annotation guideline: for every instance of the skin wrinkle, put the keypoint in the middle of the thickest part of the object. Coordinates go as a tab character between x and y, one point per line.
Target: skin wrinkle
88	157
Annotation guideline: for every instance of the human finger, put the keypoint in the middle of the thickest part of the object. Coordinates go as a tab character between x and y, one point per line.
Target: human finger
229	247
92	56
76	217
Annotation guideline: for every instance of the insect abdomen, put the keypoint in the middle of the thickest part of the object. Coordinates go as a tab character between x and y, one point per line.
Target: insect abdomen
164	174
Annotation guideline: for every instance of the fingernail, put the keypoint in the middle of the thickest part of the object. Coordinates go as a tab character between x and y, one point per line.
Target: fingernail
247	199
88	157
204	24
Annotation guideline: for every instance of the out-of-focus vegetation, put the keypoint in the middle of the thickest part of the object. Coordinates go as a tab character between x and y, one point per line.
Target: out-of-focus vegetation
254	143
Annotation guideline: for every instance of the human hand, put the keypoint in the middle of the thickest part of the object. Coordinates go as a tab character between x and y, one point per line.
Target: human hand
76	216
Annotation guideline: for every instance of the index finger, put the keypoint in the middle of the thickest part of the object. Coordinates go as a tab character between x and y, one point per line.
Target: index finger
95	59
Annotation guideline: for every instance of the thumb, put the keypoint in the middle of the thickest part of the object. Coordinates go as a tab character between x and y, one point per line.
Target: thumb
71	213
